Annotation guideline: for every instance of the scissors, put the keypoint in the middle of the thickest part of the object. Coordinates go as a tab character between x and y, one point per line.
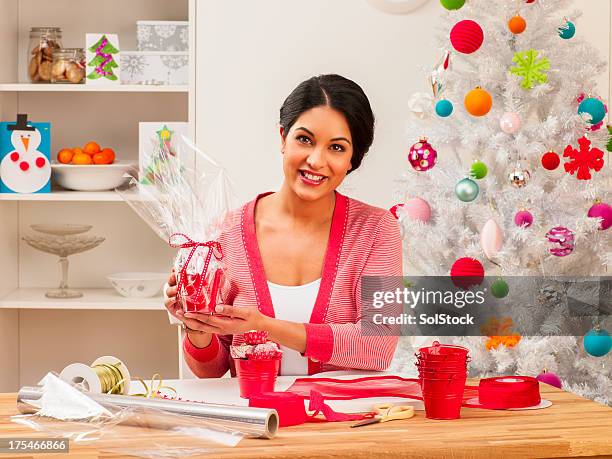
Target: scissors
387	412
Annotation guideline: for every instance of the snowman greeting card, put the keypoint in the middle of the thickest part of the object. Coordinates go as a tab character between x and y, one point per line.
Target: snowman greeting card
25	155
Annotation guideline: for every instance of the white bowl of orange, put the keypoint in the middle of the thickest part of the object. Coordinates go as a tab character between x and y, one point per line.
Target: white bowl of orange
90	168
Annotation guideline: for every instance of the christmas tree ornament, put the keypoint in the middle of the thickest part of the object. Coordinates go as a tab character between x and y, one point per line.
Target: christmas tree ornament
531	67
550	160
548	377
603	211
499	288
593	107
417	209
420	104
452	4
444	108
478	170
597	342
422	155
510	123
491	238
519	176
438	75
517	24
609	144
467	272
478	102
583	160
467	190
523	218
102	57
567	30
562	240
466	36
597	126
530	1
394	210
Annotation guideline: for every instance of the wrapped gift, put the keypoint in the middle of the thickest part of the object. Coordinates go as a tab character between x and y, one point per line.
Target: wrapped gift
162	35
188	210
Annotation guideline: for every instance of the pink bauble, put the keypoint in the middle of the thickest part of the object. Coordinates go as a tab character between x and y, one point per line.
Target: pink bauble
394	210
418	209
422	156
603	211
562	240
550	378
491	238
523	218
510	123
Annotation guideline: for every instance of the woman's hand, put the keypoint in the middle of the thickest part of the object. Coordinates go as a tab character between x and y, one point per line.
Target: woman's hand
228	320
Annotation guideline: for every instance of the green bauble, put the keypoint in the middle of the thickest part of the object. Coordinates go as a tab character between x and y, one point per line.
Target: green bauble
452	4
479	170
499	288
466	190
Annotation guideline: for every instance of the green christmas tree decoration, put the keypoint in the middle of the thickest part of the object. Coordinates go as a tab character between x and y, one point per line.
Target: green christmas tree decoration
103	62
531	68
609	145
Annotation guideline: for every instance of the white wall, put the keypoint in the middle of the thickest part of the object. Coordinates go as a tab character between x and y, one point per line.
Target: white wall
251	54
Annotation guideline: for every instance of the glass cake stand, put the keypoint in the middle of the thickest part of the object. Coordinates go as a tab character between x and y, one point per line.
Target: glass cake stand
63	241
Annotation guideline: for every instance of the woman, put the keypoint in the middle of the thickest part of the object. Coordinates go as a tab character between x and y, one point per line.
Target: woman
295	257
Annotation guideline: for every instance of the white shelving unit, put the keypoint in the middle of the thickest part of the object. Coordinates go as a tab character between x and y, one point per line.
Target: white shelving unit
108	115
27	87
96	299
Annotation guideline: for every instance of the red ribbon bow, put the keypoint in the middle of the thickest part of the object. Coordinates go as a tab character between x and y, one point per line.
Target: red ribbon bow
214	247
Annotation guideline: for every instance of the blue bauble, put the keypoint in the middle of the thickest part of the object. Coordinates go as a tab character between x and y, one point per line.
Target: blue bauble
593	107
467	190
597	343
567	31
444	108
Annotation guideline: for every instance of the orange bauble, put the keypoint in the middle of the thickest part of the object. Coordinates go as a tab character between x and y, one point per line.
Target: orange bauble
65	156
81	159
478	102
517	24
91	148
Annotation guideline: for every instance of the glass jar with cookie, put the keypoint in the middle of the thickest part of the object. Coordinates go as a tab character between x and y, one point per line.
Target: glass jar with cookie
43	42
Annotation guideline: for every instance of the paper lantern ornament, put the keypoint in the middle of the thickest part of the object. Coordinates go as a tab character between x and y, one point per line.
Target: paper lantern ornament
562	241
478	102
467	272
466	36
491	238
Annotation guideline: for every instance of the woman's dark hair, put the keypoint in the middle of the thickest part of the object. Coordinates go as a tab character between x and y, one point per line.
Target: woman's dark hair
341	94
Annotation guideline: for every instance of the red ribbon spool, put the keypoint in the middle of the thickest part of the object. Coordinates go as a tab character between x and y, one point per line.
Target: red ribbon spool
290	407
509	392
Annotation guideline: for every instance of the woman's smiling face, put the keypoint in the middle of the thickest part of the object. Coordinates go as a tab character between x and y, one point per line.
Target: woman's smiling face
317	152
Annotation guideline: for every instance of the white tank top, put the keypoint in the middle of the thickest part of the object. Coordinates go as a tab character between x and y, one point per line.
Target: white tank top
294	304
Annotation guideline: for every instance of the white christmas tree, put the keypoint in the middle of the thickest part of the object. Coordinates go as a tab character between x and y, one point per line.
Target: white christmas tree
514	95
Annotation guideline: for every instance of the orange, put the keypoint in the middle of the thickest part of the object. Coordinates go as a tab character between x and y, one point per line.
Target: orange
81	159
110	155
65	155
77	151
91	148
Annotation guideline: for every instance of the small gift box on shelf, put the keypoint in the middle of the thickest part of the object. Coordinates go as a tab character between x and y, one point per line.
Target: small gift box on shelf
162	35
25	156
155	67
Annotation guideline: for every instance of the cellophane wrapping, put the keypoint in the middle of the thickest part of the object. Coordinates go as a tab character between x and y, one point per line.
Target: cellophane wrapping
184	197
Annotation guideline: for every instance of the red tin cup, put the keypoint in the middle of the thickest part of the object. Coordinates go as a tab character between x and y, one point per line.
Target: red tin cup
256	376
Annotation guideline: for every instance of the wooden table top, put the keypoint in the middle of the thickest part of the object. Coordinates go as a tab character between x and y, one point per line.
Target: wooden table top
573	426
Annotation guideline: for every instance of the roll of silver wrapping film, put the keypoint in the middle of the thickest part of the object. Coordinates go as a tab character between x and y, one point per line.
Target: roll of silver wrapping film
254	422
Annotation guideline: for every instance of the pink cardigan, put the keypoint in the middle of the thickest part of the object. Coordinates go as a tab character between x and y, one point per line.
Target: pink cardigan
364	241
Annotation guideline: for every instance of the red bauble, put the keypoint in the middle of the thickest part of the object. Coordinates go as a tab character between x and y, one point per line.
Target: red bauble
467	272
467	36
550	160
